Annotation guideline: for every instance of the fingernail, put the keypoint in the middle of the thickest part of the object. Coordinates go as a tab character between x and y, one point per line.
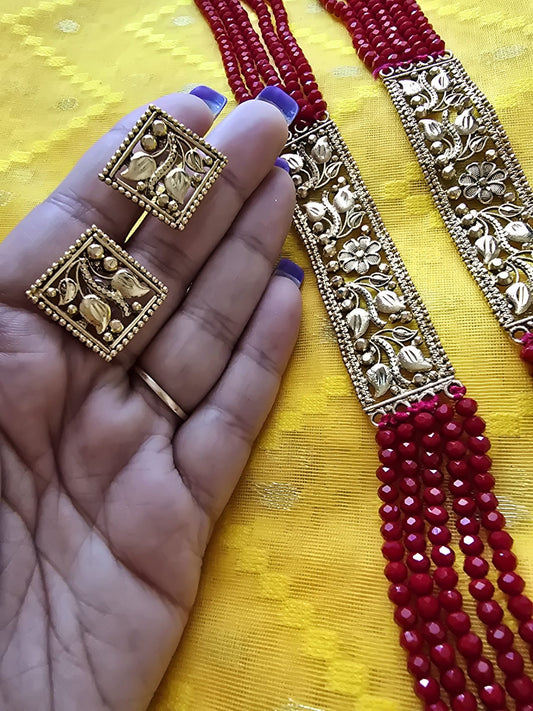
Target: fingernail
212	98
282	101
292	271
282	163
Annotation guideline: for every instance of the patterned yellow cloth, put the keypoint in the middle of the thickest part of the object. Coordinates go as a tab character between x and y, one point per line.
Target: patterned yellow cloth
292	613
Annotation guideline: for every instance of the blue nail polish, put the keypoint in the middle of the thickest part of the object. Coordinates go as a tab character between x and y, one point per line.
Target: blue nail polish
282	101
212	98
292	271
282	163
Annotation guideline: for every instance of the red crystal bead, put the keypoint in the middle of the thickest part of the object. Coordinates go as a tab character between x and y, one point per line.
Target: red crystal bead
504	560
443	556
415	542
405	617
418	664
471	545
436	514
387	475
500	539
466	407
470	645
424	421
434	632
467	526
445	578
489	612
486	501
480	462
464	505
420	583
408	467
392	530
427	689
451	430
450	600
434	495
409	485
500	637
431	441
428	607
520	688
455	449
439	535
458	622
431	459
405	431
458	468
399	594
443	655
388	456
481	671
411	640
481	589
411	504
392	550
437	706
459	487
464	702
444	413
395	572
526	631
418	562
511	583
520	607
413	524
511	663
475	566
406	450
493	696
389	512
474	426
527	354
453	680
479	444
388	493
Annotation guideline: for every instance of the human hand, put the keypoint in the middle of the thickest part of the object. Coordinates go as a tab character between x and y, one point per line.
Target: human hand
108	501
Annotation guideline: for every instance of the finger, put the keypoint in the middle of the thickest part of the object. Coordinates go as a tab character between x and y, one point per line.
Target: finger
223	297
213	445
82	200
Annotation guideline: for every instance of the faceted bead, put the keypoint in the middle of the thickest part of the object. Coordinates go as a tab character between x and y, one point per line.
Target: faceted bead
418	664
388	456
387	475
409	485
411	640
500	540
455	449
437	706
395	572
443	556
409	467
406	450
405	431
484	482
451	600
428	607
489	612
420	583
436	514
479	444
467	526
511	663
451	430
389	512
439	535
493	696
466	407
418	562
459	487
392	531
415	542
481	671
427	689
434	495
458	622
443	655
388	493
411	504
434	632
413	524
504	560
464	505
458	468
431	441
405	617
424	421
520	607
520	688
475	566
469	645
480	462
526	631
445	578
453	680
486	501
431	459
392	550
399	594
464	702
511	583
527	353
432	477
493	520
481	589
500	637
444	413
471	545
474	426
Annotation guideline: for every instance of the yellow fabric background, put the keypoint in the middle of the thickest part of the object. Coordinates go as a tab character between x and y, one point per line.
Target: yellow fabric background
292	612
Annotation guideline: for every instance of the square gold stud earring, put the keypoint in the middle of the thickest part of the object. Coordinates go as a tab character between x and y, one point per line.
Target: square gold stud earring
96	290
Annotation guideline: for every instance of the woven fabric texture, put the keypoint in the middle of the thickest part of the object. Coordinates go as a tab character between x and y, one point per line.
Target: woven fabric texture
292	612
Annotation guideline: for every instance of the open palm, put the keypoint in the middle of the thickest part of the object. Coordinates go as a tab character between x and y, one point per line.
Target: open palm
107	501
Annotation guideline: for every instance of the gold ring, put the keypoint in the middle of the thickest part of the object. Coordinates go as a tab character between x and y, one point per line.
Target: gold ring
161	394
